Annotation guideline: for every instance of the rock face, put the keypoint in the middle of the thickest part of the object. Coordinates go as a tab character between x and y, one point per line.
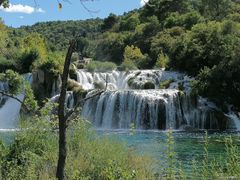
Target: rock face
154	108
45	85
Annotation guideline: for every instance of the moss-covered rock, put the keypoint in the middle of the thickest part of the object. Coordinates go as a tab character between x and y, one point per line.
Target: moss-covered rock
149	85
130	81
181	87
98	85
72	74
45	84
165	84
73	86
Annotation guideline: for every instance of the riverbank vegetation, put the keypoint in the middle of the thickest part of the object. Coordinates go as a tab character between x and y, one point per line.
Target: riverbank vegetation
32	153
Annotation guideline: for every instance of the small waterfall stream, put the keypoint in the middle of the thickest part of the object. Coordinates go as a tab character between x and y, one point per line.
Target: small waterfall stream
10	108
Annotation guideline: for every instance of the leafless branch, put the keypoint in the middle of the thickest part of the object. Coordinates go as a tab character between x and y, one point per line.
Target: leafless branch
148	3
91	12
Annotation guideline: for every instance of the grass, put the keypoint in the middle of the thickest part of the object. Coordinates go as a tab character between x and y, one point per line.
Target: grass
227	167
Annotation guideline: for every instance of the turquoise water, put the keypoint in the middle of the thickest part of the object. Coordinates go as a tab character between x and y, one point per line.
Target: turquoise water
187	146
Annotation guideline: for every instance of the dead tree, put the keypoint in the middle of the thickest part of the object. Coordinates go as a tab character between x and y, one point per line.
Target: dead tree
65	117
62	154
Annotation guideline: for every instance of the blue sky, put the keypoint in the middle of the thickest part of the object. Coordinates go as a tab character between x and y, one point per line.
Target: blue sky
26	12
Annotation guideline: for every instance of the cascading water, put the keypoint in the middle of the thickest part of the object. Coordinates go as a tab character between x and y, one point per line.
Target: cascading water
147	109
155	108
119	80
10	108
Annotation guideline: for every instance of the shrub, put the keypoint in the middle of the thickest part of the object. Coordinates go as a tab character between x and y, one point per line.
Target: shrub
162	61
80	65
165	84
131	81
33	155
75	57
100	66
27	59
53	64
6	64
134	55
127	65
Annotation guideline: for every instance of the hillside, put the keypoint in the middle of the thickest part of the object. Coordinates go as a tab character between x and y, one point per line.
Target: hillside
200	38
58	33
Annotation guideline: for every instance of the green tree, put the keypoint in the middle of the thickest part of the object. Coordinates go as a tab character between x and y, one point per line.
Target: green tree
33	49
217	9
162	61
164	41
162	8
111	47
130	22
134	54
185	20
109	22
3	39
206	45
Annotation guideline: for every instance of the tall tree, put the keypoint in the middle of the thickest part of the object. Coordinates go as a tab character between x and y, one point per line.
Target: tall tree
162	8
216	9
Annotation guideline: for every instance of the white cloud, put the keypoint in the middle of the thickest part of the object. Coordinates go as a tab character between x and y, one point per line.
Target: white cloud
143	2
19	8
40	10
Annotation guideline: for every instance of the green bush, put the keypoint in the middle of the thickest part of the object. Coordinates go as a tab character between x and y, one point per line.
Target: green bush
98	66
127	65
27	59
181	87
162	61
6	64
53	64
165	84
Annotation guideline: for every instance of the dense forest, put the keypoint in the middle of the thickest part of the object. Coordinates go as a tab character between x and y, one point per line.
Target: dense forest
198	37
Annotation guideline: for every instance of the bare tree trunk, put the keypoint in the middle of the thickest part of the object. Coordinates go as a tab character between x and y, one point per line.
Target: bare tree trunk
61	115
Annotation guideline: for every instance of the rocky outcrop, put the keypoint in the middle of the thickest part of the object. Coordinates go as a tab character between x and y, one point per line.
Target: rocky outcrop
45	84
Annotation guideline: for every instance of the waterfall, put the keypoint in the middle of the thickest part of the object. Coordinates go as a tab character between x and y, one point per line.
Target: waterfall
9	112
147	109
235	120
119	80
69	100
126	102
